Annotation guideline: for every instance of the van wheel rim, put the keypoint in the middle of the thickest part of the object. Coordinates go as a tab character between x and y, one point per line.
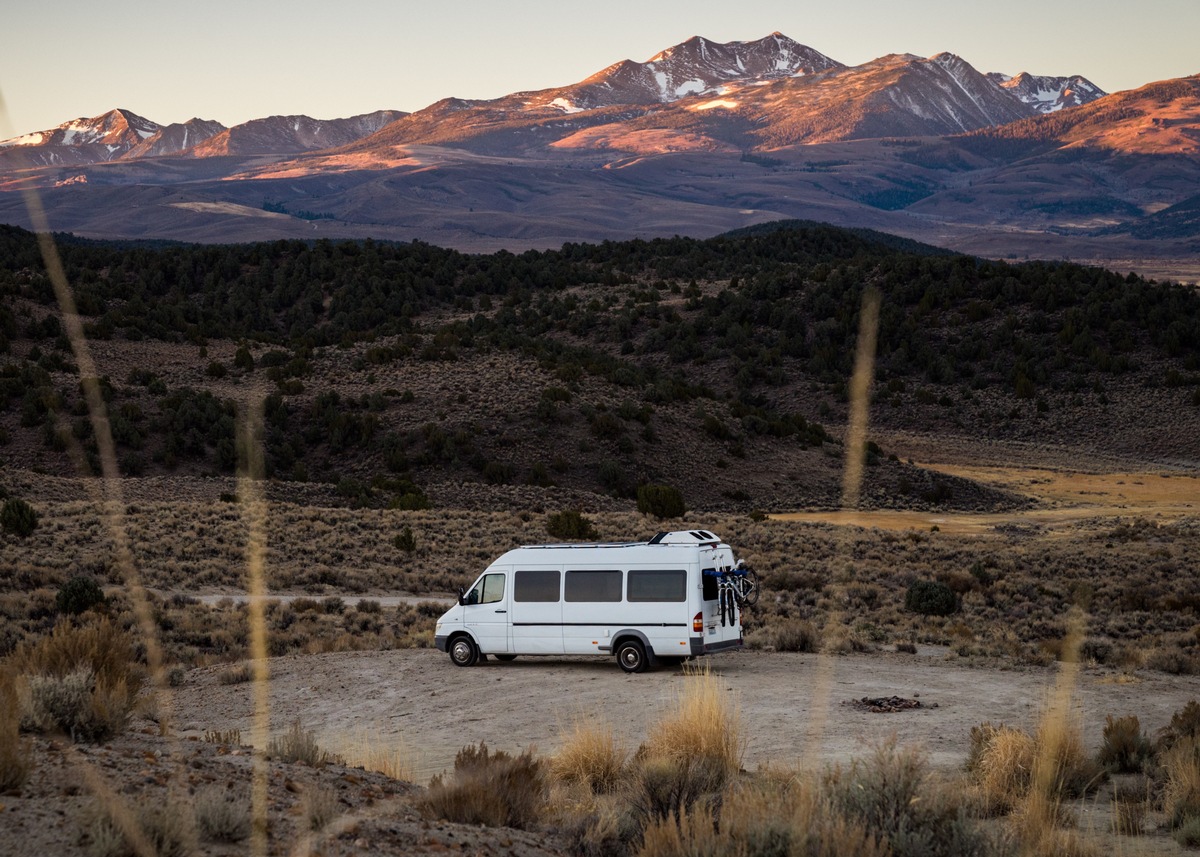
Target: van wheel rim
461	651
630	657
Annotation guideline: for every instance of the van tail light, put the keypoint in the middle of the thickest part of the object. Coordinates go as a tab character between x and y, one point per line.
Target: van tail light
698	622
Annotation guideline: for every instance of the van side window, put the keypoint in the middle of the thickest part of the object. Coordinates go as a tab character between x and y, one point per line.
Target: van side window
709	577
593	586
488	590
657	586
536	586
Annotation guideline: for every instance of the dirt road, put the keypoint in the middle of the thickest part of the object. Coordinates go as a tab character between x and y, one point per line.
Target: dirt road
418	699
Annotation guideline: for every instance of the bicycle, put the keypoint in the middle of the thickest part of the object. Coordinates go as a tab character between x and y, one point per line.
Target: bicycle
736	587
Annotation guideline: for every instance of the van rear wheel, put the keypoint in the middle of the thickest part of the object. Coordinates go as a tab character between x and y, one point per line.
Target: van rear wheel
631	655
464	652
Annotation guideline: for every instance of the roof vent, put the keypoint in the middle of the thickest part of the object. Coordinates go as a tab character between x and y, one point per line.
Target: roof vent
685	537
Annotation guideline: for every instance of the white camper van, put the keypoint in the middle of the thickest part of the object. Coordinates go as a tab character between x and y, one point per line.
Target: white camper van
674	597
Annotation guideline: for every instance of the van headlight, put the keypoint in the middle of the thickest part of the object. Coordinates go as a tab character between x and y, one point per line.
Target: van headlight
437	627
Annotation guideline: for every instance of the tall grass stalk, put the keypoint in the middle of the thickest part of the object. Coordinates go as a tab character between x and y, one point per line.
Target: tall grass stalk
250	474
852	475
111	499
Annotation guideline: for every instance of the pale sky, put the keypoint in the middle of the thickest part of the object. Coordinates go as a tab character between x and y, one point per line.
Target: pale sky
235	61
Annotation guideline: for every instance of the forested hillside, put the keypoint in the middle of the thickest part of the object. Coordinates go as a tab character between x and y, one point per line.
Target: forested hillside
718	366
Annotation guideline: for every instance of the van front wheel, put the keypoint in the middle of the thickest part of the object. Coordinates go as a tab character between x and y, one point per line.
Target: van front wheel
631	655
464	652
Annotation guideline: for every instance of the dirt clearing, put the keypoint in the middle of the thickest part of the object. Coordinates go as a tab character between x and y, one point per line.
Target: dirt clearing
1064	499
419	700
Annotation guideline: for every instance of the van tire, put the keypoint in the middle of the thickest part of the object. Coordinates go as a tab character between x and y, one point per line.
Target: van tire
506	658
463	651
631	656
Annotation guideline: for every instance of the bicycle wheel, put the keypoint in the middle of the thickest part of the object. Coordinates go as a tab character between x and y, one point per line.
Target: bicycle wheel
750	588
721	597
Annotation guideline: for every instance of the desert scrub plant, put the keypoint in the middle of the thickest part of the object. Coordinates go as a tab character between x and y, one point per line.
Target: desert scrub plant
297	745
930	598
893	796
489	788
768	815
18	517
589	756
78	595
239	674
318	806
80	680
1185	723
794	636
660	501
1125	750
222	814
570	524
161	830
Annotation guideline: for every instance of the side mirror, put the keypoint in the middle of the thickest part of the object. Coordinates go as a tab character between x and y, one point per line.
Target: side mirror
462	595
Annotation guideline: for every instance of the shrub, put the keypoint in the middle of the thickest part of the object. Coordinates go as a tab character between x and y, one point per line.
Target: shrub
82	681
660	501
1185	723
79	594
162	830
237	675
795	636
18	517
570	524
296	745
1125	749
930	598
892	797
222	815
493	789
405	540
1188	834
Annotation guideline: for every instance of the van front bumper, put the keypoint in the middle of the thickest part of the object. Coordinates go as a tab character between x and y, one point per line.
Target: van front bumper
439	640
699	647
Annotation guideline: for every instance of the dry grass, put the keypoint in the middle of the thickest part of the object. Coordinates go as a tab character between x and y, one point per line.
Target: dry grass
589	756
15	758
370	751
1181	794
704	723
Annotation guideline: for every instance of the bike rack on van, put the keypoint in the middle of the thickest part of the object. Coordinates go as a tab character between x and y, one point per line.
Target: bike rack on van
736	587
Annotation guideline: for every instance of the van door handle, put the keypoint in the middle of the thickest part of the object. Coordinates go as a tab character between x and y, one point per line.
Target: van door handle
501	611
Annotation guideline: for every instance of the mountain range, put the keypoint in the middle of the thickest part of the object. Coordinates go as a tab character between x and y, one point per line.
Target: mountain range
700	138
